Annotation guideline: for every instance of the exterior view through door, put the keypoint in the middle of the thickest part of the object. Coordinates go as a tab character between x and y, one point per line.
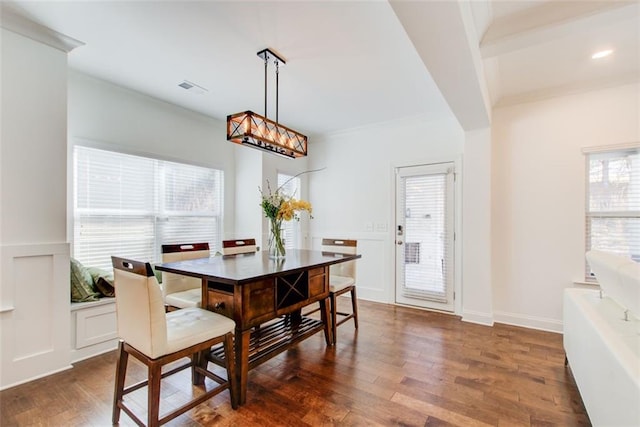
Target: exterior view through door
424	236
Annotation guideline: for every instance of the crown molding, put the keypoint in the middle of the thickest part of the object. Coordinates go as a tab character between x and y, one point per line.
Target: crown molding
13	21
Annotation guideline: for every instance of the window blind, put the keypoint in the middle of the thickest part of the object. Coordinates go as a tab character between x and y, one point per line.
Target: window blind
613	203
427	242
129	206
291	229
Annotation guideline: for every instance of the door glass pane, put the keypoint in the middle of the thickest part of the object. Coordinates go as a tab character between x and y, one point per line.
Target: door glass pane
425	242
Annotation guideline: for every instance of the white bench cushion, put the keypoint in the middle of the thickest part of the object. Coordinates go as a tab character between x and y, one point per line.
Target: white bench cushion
184	299
338	283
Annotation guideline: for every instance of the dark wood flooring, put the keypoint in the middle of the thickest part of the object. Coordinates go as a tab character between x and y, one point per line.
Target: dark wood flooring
404	367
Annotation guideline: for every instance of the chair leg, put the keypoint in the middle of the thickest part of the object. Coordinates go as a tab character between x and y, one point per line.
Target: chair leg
121	373
198	360
231	369
334	317
354	306
155	375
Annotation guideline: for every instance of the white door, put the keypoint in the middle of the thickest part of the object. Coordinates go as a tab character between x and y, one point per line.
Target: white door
424	236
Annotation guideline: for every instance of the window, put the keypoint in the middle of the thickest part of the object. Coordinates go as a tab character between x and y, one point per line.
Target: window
129	206
291	229
613	203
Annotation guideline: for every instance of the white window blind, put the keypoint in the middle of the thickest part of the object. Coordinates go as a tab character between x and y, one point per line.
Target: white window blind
613	203
291	229
129	206
427	236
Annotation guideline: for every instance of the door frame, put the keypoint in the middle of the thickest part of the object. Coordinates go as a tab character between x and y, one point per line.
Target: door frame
457	227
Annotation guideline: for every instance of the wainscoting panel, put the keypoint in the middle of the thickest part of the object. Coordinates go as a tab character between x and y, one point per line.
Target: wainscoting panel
94	328
374	281
34	312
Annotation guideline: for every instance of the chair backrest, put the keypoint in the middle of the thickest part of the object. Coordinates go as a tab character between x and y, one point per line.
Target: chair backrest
172	283
342	246
238	246
139	307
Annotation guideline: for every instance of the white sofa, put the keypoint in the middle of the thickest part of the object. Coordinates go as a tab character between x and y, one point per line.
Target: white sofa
602	340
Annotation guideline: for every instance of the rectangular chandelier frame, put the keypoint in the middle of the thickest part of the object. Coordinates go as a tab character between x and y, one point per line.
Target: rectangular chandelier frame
254	130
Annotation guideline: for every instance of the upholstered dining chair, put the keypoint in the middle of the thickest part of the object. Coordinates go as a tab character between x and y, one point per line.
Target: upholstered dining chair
342	280
182	291
157	338
238	246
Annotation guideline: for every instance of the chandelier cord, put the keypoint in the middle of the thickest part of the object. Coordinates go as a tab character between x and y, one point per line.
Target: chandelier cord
277	79
266	62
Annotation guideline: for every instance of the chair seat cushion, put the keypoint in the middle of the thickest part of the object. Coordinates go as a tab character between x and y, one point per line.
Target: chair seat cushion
191	326
185	299
338	283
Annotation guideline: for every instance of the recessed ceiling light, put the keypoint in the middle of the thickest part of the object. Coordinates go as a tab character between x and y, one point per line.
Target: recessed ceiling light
602	54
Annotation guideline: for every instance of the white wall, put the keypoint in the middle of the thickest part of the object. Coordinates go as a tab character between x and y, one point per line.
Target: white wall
538	196
356	188
248	215
34	96
34	253
111	117
476	227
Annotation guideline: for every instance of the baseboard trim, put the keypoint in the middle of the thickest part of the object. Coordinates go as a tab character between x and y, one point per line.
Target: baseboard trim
37	377
478	317
531	322
81	354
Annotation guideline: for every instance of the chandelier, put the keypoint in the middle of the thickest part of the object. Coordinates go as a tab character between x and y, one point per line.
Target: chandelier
258	131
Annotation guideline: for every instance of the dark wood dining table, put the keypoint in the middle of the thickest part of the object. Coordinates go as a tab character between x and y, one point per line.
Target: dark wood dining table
264	297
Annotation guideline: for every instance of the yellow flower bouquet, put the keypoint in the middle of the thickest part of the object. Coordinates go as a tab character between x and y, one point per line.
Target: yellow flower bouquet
279	207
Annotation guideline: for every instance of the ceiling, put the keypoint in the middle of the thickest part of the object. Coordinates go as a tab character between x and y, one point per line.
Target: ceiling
349	63
534	50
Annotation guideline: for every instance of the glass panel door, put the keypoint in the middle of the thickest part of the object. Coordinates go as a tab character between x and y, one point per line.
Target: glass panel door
424	236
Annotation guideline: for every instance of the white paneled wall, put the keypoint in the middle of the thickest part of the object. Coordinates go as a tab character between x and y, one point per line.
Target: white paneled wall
34	311
34	253
374	250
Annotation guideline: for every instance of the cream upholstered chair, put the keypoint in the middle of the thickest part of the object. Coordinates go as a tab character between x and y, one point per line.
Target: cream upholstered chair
238	246
181	291
342	279
156	338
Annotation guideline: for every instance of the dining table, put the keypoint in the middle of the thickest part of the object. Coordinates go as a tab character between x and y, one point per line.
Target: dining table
265	297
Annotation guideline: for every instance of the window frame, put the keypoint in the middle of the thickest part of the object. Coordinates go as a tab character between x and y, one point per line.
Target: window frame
612	152
293	226
159	213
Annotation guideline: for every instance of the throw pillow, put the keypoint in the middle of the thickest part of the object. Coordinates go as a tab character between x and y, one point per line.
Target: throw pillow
157	273
81	283
102	281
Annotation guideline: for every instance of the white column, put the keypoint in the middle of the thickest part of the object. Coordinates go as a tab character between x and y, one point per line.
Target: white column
34	253
477	293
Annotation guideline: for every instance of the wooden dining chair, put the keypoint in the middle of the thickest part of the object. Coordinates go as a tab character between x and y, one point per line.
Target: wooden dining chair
238	246
181	291
342	280
157	338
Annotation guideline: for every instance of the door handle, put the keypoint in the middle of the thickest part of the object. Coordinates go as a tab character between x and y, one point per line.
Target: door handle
399	242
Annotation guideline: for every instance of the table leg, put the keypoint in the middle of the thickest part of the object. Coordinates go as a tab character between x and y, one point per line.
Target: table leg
326	320
241	344
203	296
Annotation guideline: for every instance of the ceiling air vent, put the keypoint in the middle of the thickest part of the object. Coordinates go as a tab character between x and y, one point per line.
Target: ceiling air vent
193	88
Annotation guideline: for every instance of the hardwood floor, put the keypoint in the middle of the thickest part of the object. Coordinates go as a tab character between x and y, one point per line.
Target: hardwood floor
403	367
